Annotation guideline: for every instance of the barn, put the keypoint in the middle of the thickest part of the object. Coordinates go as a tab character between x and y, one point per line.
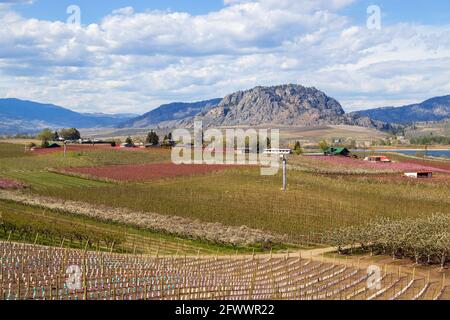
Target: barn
377	159
332	151
419	174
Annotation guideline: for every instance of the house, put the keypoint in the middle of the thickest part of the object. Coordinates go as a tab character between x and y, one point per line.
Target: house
419	174
333	151
127	145
377	159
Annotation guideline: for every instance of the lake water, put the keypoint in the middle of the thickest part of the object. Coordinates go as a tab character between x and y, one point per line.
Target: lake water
432	153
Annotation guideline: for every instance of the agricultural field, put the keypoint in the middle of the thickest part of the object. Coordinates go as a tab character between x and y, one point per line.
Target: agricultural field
10	150
105	276
142	173
318	133
31	224
240	196
351	166
14	158
134	204
11	184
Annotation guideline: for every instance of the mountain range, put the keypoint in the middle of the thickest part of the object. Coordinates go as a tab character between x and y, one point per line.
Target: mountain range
21	116
435	109
169	114
283	105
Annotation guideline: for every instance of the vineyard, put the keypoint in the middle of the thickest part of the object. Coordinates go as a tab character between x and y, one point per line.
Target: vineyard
40	273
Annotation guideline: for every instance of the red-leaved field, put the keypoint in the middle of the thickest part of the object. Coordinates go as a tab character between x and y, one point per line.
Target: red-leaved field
147	172
406	165
10	184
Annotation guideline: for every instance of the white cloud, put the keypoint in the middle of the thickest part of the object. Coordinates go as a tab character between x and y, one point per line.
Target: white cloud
124	11
133	61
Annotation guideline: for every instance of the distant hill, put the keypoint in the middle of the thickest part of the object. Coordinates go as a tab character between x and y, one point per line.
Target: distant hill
169	114
435	128
120	116
285	105
20	116
435	109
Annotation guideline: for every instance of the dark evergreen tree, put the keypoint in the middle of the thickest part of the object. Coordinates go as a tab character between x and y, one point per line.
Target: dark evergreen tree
152	138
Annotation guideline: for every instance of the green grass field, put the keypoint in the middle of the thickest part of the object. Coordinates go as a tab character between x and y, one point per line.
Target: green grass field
9	150
241	196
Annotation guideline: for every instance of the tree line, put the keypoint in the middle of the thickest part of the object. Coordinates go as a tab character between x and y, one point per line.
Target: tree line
47	135
429	140
154	140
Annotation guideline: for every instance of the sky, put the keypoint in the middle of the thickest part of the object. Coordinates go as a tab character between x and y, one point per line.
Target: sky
132	56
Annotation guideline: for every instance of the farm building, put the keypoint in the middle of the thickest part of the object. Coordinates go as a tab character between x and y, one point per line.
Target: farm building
377	159
53	145
419	174
332	151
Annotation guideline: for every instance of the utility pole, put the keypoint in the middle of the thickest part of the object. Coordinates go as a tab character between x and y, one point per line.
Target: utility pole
65	148
284	160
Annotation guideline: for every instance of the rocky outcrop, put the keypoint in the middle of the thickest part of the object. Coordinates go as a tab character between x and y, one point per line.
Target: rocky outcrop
291	105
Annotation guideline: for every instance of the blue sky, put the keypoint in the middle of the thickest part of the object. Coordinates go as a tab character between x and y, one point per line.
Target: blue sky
153	52
394	11
94	11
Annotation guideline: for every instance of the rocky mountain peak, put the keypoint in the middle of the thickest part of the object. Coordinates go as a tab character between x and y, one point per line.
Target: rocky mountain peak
277	105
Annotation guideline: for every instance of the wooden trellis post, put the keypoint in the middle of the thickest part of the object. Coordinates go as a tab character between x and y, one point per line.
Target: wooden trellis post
84	278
